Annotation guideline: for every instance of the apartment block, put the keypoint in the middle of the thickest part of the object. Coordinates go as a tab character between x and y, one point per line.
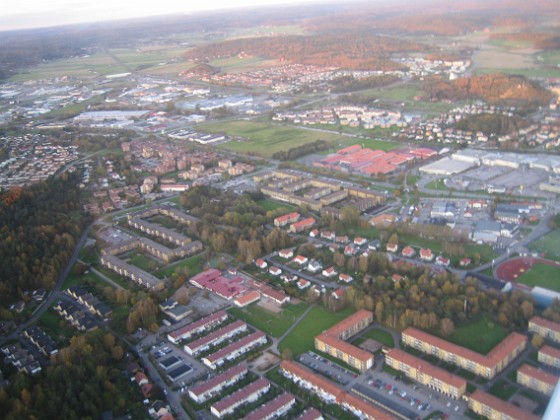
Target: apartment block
537	379
545	328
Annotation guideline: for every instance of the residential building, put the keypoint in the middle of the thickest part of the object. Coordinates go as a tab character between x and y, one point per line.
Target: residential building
302	225
545	328
408	252
537	379
213	386
215	338
332	341
247	298
311	414
273	409
426	254
486	366
234	350
286	253
549	356
286	219
197	327
250	393
427	374
495	408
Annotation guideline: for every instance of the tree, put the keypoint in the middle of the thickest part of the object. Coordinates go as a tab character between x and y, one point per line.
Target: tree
537	341
527	310
287	354
446	327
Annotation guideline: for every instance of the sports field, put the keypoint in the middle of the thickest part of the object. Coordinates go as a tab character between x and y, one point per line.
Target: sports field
264	139
542	275
301	339
548	245
274	324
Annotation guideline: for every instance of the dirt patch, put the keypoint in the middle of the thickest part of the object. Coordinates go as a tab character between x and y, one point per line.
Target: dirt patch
269	305
265	361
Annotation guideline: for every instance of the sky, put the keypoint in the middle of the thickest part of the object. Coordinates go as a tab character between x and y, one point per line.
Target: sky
23	14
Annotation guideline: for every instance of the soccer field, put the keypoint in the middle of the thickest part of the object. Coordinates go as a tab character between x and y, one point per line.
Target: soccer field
542	275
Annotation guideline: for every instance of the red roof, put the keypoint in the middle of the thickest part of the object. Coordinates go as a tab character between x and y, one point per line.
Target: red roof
550	351
356	352
215	335
318	381
427	368
245	341
357	403
310	221
241	395
538	374
545	323
247	298
210	319
286	218
218	380
502	406
271	407
310	414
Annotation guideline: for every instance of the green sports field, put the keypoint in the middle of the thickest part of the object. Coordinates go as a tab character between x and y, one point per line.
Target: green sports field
274	324
542	275
548	245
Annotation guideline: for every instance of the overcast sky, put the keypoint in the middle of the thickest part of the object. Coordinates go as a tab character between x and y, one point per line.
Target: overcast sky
18	14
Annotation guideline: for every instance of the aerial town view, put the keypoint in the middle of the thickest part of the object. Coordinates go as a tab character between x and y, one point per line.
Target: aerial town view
280	209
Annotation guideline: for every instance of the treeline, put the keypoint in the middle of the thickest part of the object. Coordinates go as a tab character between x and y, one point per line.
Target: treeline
346	50
304	149
350	84
539	40
497	88
83	381
39	227
492	124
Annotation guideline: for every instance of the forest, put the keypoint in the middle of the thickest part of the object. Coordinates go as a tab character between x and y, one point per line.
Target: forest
492	124
347	50
84	380
39	226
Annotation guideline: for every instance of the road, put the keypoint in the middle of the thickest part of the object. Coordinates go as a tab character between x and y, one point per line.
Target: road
53	294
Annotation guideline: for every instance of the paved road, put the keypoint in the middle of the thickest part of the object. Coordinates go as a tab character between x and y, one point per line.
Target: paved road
53	294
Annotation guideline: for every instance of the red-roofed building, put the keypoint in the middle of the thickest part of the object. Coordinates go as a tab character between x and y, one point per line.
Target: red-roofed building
495	408
392	247
361	408
273	409
212	280
396	277
329	272
487	366
338	294
302	284
360	241
215	338
346	278
545	328
442	261
537	379
465	262
141	378
549	356
197	327
426	254
214	386
408	252
234	350
300	259
247	298
314	233
286	219
261	263
332	341
277	296
302	225
311	414
286	253
325	389
275	271
427	374
250	393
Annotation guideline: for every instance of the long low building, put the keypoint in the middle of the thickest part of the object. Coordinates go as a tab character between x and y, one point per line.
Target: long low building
545	328
331	393
275	408
549	356
492	407
332	341
234	350
214	386
486	366
537	379
197	327
216	337
249	393
426	373
134	273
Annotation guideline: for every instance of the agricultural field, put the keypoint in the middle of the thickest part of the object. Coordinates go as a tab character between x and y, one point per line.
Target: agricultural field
274	324
548	245
480	336
265	139
542	275
301	338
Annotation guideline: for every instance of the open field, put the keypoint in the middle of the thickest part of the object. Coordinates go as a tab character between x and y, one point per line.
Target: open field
271	323
143	262
317	320
74	279
240	65
480	336
380	335
192	263
548	245
542	275
269	205
398	93
266	139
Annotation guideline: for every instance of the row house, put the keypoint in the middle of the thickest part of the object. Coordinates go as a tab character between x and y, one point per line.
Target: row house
235	350
197	327
212	387
492	407
537	379
547	329
215	338
247	394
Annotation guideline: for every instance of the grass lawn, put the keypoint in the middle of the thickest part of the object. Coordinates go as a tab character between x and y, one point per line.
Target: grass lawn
143	262
270	205
55	325
503	390
548	245
380	335
192	263
264	139
74	279
480	336
317	320
542	275
271	323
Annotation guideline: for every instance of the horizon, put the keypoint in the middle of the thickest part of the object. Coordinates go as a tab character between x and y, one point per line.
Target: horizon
17	16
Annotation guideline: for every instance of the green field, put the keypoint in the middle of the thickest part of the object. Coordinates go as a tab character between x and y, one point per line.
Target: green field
317	320
503	390
549	245
143	262
270	205
264	139
399	93
380	335
480	336
274	324
542	275
192	263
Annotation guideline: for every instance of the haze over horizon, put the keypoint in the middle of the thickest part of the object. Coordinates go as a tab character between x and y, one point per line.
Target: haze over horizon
31	14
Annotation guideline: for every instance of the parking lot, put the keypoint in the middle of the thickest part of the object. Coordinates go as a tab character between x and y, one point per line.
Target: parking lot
327	368
179	367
